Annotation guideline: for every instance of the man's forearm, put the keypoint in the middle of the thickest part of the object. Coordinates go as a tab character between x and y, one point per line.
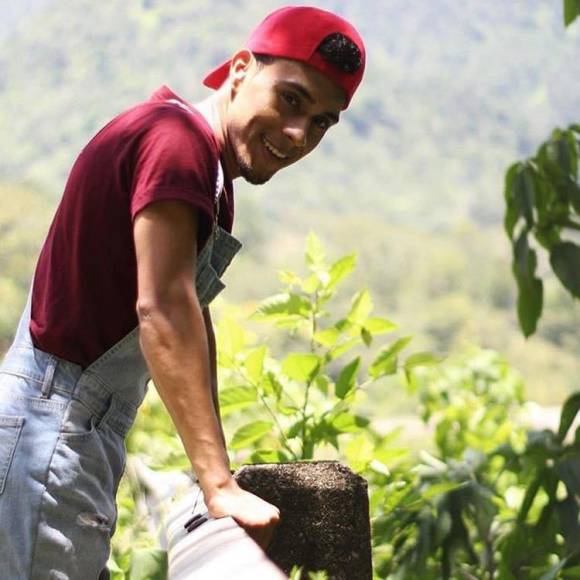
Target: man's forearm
175	345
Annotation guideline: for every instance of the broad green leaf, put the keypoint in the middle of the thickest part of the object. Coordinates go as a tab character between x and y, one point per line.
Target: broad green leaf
343	325
531	492
343	347
565	261
384	366
391	454
300	366
366	336
440	488
289	277
295	429
524	193
248	434
569	412
271	385
324	431
254	363
347	378
282	305
571	11
432	461
236	398
568	469
380	467
421	359
524	257
315	253
114	568
386	362
512	213
379	325
287	410
340	269
322	384
573	145
347	423
359	452
292	322
574	194
567	511
529	305
512	546
148	564
361	307
231	337
311	284
530	288
327	337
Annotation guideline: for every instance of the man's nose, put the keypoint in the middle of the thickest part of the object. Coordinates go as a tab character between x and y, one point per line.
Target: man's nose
297	132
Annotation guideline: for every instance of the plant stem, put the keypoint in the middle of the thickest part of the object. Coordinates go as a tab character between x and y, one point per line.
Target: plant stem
309	383
285	443
247	380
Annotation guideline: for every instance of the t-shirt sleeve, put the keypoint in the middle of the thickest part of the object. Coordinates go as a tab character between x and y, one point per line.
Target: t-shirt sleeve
174	161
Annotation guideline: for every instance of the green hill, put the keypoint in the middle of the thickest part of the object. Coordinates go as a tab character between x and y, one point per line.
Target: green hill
453	92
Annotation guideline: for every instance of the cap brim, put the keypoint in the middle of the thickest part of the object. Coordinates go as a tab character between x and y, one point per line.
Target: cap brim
216	78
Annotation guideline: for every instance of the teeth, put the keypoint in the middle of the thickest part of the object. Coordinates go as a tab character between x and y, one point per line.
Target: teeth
273	149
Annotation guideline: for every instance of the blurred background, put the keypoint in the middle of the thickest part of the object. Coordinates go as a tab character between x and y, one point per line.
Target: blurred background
411	179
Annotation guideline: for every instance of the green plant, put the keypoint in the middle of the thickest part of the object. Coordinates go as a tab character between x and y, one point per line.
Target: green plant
542	196
543	201
306	402
484	499
493	500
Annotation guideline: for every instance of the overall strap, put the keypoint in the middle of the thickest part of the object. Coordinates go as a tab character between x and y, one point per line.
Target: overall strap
219	186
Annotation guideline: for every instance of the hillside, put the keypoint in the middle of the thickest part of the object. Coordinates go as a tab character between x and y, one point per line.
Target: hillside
452	94
411	179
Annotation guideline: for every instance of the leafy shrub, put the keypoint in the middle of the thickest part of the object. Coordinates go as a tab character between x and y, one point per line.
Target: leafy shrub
488	500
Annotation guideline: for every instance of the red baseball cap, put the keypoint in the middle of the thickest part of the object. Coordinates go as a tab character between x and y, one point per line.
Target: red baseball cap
295	32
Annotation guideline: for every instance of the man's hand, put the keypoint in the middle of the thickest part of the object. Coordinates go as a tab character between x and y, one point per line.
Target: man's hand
256	516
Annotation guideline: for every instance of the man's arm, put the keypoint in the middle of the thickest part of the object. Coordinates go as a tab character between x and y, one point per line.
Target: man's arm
174	343
213	366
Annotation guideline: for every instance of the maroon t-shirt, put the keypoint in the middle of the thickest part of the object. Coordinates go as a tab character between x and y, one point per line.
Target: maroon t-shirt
85	283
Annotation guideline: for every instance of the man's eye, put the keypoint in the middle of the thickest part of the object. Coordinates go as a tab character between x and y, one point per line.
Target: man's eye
322	123
291	99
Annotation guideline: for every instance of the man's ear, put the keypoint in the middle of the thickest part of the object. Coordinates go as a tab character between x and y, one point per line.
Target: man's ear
242	62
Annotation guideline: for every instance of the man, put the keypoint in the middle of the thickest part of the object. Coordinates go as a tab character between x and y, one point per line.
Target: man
122	287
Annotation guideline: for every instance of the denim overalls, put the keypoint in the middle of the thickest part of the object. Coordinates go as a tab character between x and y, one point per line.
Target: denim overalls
62	452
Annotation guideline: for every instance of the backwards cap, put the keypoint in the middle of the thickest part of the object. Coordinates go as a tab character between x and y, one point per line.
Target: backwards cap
296	32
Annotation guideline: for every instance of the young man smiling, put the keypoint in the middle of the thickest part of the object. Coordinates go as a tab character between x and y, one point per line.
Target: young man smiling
122	286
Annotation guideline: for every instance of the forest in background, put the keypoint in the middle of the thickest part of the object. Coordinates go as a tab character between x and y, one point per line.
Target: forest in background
411	179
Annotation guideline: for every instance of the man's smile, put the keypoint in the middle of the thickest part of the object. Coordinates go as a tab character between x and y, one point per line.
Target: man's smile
276	152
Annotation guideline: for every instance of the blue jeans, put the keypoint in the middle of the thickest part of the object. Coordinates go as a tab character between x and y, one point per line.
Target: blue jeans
62	455
62	443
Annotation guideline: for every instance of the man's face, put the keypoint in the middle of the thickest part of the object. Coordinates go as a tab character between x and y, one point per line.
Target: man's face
279	112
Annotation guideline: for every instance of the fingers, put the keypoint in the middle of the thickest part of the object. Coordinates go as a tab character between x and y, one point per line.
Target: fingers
262	536
264	533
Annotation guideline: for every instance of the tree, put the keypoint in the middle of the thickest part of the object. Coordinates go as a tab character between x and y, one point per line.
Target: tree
542	196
